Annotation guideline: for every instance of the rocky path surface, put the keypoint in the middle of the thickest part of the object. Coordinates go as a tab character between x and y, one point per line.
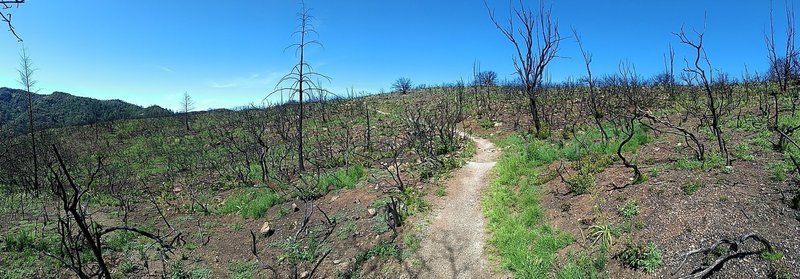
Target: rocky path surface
453	244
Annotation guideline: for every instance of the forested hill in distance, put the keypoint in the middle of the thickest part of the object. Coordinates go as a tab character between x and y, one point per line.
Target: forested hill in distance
62	109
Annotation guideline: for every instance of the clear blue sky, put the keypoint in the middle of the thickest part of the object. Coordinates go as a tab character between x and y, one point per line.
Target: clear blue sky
231	53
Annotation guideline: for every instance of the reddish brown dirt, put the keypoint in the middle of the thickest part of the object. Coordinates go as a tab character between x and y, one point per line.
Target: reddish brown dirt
725	206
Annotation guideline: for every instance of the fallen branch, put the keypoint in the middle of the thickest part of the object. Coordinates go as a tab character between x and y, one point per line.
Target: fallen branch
733	246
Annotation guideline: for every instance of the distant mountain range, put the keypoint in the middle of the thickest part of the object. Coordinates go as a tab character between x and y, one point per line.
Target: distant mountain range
61	110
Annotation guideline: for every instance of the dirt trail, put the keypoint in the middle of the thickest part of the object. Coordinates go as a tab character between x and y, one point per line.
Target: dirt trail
453	245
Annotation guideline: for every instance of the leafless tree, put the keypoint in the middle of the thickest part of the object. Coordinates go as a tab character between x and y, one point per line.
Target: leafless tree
75	225
403	85
187	105
6	17
301	78
26	79
536	42
594	108
783	69
701	71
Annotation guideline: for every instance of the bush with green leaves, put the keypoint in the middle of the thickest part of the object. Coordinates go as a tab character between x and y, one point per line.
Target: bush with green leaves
691	187
629	210
645	257
581	183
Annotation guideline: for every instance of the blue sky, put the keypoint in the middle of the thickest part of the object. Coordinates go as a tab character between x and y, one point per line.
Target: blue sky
231	53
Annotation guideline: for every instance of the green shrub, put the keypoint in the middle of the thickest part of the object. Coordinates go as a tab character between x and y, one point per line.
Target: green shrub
592	163
640	256
580	184
691	187
743	152
629	210
602	233
778	171
486	123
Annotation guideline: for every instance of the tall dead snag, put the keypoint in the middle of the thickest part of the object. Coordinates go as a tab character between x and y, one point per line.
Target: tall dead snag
6	17
536	43
26	72
783	70
703	74
301	78
187	105
629	114
594	108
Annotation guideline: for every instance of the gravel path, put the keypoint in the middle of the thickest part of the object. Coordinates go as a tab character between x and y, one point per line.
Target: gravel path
453	246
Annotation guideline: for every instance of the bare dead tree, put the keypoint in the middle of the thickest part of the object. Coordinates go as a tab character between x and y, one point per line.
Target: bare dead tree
301	78
783	70
629	114
403	85
187	105
6	17
26	79
70	194
536	42
594	108
704	75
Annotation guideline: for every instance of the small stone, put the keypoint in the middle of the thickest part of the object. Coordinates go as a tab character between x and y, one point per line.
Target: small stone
266	230
177	189
334	198
372	212
498	124
336	261
295	208
304	274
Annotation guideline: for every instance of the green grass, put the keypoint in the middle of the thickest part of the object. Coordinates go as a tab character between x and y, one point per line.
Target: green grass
519	234
343	178
250	203
383	250
21	253
526	245
243	269
584	265
440	191
346	231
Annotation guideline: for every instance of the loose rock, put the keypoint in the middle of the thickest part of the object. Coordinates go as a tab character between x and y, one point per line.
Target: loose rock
266	230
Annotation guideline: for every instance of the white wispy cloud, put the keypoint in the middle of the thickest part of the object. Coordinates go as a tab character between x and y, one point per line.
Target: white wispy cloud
248	81
160	67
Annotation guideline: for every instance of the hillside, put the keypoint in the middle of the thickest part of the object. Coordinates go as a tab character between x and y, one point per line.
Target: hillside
62	109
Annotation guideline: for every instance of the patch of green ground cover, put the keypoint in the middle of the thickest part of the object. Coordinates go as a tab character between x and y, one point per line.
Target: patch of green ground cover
519	234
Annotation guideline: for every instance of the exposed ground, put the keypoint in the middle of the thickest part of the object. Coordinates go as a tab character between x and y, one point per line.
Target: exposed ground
453	245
